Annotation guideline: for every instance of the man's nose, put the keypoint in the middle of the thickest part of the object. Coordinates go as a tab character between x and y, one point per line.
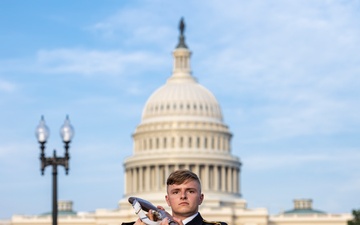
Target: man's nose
183	195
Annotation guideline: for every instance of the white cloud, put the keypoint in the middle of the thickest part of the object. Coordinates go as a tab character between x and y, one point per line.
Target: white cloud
92	62
292	65
341	159
83	62
7	87
133	30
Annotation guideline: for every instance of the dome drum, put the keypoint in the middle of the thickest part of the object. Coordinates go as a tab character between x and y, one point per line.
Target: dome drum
186	141
145	175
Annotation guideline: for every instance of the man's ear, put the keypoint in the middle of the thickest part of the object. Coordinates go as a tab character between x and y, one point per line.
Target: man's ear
201	199
167	200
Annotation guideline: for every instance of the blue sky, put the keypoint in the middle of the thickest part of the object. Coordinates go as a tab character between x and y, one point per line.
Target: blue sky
286	74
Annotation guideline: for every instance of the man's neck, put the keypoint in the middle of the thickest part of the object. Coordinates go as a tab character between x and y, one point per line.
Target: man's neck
188	219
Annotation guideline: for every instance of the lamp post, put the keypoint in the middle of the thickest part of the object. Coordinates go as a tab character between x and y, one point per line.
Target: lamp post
42	134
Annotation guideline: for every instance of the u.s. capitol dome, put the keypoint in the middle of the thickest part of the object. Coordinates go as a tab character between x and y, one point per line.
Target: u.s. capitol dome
182	127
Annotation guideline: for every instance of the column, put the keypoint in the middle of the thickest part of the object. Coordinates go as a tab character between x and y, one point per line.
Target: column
223	179
166	167
238	181
141	179
207	177
134	180
148	178
229	179
157	177
126	181
197	169
216	178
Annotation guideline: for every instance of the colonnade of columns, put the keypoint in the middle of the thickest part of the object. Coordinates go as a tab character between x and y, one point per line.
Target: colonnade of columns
182	62
150	178
218	142
183	107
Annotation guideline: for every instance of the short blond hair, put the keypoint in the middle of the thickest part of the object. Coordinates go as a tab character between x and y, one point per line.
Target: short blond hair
181	176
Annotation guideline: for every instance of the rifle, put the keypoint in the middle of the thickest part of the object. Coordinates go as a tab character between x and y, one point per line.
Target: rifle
141	205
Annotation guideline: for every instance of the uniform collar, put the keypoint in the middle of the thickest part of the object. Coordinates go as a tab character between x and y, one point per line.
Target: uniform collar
185	221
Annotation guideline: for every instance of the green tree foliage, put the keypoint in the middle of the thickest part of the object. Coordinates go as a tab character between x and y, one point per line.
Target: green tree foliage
356	218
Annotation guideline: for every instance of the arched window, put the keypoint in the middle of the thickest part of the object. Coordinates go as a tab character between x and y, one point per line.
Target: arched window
165	142
172	142
181	142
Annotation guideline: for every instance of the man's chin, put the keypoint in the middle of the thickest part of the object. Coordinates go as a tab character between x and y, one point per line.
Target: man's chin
185	211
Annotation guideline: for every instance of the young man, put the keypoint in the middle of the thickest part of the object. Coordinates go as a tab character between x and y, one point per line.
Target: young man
184	197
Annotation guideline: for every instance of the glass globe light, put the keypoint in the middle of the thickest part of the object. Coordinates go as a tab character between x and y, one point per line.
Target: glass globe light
42	131
67	131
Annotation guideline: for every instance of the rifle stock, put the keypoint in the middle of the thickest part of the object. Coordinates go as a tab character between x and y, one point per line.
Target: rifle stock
147	206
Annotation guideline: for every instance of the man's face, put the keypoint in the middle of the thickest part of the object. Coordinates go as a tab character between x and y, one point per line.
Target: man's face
184	199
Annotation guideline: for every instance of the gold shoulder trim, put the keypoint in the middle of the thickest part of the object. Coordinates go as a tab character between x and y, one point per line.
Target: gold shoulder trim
213	222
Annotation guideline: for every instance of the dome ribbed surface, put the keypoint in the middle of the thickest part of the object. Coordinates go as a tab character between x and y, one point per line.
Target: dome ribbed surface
182	97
